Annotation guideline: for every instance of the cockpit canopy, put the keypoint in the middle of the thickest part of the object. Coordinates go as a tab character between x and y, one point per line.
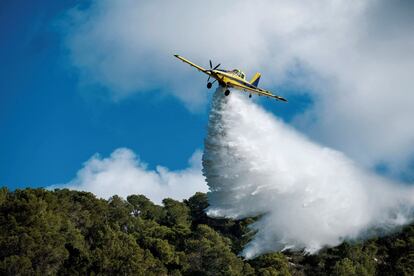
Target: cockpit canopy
239	73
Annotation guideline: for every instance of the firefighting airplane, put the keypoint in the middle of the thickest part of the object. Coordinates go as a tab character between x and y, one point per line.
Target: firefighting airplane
233	79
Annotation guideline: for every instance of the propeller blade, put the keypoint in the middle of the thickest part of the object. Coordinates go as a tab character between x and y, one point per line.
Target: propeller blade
216	66
211	64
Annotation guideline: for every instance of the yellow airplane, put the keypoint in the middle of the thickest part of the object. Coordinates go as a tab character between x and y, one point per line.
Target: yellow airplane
232	79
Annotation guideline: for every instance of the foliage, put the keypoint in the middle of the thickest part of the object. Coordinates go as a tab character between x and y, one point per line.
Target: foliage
69	232
272	264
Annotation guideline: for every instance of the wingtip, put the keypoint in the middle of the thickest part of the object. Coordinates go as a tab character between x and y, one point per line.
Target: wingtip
176	55
281	99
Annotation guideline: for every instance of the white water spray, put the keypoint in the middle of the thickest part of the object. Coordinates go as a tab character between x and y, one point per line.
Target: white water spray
310	196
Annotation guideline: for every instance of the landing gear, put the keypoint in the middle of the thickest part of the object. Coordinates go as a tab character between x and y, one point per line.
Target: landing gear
227	92
209	84
250	95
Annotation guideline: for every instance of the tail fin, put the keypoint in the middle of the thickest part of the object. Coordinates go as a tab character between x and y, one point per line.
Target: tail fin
255	79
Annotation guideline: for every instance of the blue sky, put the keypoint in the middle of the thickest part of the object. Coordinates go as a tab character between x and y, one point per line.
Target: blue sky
79	79
51	124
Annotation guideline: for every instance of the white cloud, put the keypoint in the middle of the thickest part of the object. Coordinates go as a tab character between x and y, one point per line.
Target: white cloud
355	58
124	174
310	196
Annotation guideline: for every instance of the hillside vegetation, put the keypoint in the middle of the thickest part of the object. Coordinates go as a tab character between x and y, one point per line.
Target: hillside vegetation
70	233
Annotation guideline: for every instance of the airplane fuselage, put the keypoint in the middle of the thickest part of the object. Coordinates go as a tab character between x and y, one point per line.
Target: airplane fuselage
228	78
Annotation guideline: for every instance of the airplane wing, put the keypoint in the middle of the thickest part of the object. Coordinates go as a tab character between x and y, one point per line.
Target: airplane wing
199	68
258	91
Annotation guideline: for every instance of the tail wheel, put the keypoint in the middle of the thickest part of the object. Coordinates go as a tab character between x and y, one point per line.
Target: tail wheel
227	92
209	84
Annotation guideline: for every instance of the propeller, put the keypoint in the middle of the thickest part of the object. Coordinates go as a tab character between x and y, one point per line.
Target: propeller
211	68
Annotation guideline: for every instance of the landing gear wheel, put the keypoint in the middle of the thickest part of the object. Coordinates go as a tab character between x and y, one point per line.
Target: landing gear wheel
209	84
250	95
227	92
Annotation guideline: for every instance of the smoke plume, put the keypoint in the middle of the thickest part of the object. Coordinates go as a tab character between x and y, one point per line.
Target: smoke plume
308	196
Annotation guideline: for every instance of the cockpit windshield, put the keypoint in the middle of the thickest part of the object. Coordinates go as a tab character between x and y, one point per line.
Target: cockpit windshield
239	73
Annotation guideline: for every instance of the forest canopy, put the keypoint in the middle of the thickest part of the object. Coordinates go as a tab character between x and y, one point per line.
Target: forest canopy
71	232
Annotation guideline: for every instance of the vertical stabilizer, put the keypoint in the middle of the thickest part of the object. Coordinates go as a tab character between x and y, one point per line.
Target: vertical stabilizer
255	79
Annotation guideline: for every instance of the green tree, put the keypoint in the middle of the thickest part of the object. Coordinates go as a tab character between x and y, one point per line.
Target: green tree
119	254
210	254
344	267
16	265
30	230
405	265
3	195
144	208
197	204
176	213
271	264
